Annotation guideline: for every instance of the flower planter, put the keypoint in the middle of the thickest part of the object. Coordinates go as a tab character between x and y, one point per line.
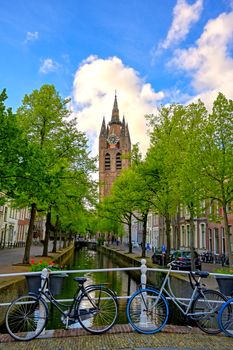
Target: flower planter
55	283
225	284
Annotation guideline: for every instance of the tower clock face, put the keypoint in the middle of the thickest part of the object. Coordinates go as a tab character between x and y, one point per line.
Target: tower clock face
112	139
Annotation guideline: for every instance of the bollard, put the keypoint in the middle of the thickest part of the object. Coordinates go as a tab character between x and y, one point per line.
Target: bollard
143	316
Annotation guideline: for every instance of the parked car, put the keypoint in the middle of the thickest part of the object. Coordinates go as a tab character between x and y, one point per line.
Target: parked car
135	244
158	257
181	260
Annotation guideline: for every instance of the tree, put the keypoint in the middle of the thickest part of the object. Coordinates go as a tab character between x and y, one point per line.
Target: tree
113	215
57	146
11	143
216	158
161	161
187	172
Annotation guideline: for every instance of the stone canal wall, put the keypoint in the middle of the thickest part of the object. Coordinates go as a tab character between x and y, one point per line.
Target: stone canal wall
179	283
11	289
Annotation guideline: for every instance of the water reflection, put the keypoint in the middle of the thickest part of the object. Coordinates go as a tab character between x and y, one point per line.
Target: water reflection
119	281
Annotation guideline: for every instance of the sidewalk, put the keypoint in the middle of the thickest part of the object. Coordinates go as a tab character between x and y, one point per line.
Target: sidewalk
210	282
122	337
11	261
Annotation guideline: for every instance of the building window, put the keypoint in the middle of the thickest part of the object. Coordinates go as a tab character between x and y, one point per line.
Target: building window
202	238
5	214
188	236
210	240
182	236
155	219
107	163
223	240
149	221
118	161
216	241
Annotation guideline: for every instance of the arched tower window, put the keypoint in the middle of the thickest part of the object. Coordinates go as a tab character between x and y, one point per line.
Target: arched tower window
107	162
118	161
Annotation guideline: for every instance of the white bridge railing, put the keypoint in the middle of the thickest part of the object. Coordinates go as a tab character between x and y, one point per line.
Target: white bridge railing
143	268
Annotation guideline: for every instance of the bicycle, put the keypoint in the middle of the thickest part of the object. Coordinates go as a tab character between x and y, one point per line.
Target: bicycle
225	318
148	309
95	307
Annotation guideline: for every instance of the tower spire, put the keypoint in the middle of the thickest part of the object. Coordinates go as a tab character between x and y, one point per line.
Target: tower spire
103	128
115	112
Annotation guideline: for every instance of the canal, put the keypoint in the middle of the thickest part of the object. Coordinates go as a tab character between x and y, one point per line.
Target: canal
121	282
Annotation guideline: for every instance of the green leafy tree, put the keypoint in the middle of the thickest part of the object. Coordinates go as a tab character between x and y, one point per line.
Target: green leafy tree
57	146
216	159
161	161
11	144
188	181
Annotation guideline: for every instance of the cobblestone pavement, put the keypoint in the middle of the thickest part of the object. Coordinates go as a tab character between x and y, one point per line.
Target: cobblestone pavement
121	337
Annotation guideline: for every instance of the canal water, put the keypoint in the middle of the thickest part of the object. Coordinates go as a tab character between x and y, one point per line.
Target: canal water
119	281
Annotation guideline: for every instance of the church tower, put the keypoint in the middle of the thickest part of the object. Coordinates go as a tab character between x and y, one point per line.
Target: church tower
114	143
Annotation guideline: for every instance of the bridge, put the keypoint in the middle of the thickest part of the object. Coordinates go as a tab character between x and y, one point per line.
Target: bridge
80	243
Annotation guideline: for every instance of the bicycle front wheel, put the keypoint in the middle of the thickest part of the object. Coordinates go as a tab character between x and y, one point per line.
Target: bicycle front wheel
146	311
225	318
205	309
97	310
26	317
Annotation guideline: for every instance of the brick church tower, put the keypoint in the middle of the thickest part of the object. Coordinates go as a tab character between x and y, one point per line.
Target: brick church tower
114	143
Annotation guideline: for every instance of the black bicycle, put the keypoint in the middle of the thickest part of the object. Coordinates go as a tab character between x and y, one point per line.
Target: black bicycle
95	307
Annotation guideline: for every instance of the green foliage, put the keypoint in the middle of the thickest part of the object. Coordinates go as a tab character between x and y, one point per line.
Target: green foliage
11	144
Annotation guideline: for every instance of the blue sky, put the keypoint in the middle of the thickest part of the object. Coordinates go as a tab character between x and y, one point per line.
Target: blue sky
152	52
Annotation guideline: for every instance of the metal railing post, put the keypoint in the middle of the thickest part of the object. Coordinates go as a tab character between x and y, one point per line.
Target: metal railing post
143	273
44	275
143	316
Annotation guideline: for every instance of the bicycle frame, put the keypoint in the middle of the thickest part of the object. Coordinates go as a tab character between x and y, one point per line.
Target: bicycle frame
44	293
183	307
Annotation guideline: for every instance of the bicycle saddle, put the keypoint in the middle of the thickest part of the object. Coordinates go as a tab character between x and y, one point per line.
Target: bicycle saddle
80	280
202	274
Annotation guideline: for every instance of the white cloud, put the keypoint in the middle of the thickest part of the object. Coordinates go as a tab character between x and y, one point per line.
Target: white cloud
210	62
184	16
94	87
49	65
31	36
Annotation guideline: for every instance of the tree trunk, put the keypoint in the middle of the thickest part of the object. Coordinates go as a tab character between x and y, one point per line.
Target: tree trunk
70	238
144	235
47	232
168	233
55	234
65	241
178	230
192	233
130	233
228	235
60	239
26	257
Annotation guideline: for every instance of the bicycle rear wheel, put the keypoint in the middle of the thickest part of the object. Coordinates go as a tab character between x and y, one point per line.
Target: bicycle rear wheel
146	311
97	310
206	307
26	317
225	318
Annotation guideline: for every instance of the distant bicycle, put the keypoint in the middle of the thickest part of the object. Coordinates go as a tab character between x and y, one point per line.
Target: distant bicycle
148	309
225	318
95	307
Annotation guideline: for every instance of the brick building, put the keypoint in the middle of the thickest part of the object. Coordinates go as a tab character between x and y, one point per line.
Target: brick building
114	145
